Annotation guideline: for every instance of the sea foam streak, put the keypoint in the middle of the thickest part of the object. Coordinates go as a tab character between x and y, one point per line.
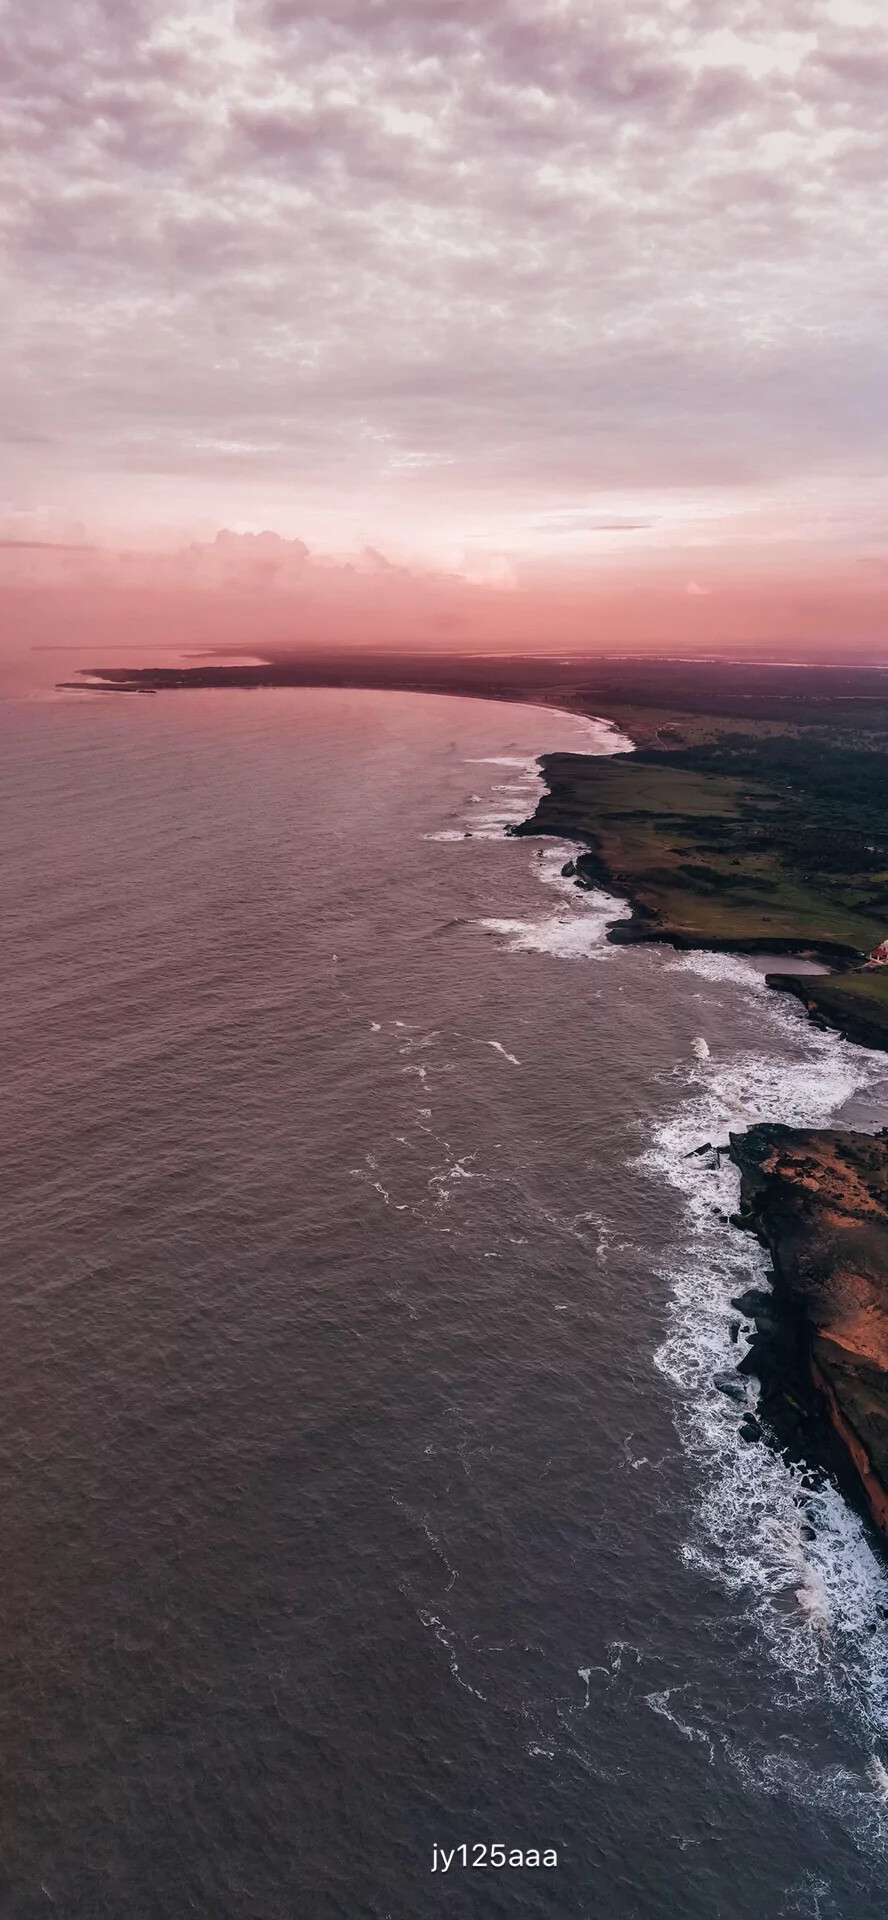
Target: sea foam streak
821	1602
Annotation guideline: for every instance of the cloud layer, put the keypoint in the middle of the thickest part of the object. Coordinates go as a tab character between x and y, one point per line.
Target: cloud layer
441	246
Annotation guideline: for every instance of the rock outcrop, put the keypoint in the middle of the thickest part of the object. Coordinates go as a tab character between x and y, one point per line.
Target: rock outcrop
818	1200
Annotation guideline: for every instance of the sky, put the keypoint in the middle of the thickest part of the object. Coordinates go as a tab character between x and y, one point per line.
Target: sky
519	321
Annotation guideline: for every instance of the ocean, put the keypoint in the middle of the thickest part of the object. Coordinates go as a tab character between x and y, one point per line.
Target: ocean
367	1500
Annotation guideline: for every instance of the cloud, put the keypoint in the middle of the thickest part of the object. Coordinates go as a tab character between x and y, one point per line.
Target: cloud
443	244
235	590
44	546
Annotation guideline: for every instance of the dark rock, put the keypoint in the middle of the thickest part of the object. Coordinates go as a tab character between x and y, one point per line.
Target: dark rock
707	1156
750	1428
568	870
729	1384
819	1197
754	1300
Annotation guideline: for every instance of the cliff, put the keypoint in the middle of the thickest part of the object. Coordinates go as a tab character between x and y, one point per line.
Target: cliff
854	1002
818	1199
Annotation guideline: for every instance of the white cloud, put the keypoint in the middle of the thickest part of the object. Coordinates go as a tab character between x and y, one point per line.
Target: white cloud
445	244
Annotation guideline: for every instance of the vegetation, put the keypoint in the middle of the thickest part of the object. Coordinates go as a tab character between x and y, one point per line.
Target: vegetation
745	838
753	813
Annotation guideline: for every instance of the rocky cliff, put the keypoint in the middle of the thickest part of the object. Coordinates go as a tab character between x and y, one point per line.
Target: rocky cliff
818	1199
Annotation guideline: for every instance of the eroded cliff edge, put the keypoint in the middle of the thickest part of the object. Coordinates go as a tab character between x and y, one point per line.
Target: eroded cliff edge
818	1200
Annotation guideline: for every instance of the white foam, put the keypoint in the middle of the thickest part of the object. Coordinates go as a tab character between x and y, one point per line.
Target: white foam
567	936
509	802
575	929
503	760
719	966
659	1703
499	1048
446	1636
490	825
608	739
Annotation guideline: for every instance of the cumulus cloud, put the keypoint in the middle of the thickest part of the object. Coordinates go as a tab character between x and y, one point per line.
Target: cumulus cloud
431	245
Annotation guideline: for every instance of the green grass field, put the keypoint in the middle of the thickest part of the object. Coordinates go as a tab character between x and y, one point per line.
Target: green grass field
752	839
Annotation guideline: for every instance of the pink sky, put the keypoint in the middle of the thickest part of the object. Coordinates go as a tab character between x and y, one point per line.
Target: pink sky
517	322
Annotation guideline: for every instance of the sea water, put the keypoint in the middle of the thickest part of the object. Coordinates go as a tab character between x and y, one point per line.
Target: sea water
366	1491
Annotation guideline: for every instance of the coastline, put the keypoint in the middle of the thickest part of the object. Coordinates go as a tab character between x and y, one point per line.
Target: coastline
729	752
636	819
817	1200
725	828
819	1342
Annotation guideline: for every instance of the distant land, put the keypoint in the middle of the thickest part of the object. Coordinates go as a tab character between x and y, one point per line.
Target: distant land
653	687
752	816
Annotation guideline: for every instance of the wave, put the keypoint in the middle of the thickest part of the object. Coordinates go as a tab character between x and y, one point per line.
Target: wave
575	929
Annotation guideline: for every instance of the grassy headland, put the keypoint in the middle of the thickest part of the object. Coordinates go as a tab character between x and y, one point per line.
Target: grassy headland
751	840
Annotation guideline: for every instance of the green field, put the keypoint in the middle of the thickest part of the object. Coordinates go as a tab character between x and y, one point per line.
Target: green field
761	836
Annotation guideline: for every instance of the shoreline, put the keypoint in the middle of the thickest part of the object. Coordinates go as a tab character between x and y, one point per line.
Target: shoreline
718	758
625	818
823	1376
815	1198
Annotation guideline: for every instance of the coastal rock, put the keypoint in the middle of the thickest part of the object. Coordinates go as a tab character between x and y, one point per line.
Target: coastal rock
853	1001
708	1156
729	1384
754	1300
818	1199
